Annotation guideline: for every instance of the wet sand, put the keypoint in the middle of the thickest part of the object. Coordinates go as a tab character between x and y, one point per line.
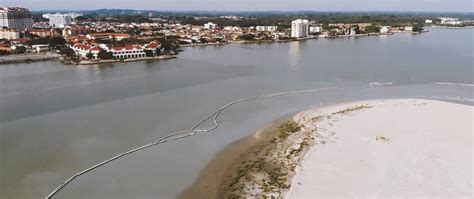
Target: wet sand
210	180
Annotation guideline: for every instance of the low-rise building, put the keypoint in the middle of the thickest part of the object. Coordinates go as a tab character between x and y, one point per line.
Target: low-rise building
5	47
210	25
385	29
107	36
84	49
9	34
315	29
153	46
76	30
126	51
40	47
43	33
266	28
129	51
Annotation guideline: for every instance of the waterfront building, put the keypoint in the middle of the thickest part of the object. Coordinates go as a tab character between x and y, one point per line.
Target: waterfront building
266	28
126	51
428	21
9	34
408	28
299	28
83	49
153	46
59	20
315	29
40	48
352	31
118	52
210	26
385	29
15	18
450	21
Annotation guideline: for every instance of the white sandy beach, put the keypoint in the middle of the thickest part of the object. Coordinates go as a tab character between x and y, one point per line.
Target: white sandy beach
406	148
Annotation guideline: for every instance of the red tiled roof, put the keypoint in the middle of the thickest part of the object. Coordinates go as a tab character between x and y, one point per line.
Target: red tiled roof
79	38
82	46
153	44
126	47
98	34
38	30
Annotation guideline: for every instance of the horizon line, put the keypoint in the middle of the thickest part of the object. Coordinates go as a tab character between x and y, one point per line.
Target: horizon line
248	11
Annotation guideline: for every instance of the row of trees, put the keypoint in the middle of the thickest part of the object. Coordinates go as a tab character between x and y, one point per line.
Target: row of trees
18	50
284	21
55	42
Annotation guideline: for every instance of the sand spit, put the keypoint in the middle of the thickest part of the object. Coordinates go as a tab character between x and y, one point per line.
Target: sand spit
381	148
397	149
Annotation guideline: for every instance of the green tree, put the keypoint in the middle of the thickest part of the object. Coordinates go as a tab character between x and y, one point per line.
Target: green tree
158	51
203	40
56	42
89	56
19	50
68	52
418	27
372	29
148	53
105	55
247	37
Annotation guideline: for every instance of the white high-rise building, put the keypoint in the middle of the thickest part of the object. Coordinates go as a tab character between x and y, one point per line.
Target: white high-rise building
15	18
59	20
299	28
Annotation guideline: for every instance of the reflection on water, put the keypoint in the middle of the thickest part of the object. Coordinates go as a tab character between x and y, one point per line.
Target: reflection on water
294	53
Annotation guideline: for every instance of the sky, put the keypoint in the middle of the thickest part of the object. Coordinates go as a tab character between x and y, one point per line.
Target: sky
251	5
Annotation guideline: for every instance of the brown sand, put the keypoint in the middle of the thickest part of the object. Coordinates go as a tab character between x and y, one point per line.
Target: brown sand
210	179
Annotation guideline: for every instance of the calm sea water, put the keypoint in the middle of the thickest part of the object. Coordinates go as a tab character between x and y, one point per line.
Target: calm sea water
56	120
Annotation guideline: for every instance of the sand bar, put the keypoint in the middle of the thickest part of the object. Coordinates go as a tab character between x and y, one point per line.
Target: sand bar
396	149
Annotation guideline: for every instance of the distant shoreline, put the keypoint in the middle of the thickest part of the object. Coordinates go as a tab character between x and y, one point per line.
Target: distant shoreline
37	57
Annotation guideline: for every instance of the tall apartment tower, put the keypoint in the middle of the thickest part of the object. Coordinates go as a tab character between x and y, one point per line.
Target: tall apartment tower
15	18
299	28
59	20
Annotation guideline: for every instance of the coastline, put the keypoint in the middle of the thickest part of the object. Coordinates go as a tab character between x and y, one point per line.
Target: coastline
316	131
162	57
12	59
30	57
210	179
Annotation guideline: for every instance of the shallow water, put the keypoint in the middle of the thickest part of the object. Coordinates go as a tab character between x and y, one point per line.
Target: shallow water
56	120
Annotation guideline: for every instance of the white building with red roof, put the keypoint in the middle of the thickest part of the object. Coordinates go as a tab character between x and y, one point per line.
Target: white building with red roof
129	51
84	49
125	51
153	46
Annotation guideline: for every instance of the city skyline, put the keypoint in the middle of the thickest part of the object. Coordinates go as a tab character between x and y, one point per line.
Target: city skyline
249	5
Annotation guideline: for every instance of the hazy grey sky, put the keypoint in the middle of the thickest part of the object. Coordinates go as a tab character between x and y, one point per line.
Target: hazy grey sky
242	5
